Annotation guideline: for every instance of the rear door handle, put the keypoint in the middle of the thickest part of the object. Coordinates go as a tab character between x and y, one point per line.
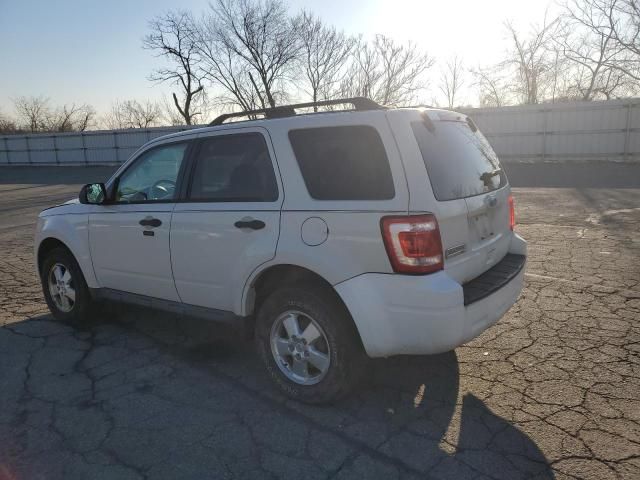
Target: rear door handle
150	222
253	224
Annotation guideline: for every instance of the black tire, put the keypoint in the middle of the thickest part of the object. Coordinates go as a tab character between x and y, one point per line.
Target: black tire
347	357
81	308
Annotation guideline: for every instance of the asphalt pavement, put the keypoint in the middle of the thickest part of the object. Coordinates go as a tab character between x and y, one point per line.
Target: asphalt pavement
551	391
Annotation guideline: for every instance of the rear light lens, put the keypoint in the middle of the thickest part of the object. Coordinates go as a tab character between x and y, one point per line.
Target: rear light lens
512	213
413	243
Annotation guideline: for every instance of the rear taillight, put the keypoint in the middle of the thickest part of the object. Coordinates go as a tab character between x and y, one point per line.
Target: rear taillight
413	243
512	213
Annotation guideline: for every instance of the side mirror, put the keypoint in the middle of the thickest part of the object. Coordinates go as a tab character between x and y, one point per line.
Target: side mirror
93	193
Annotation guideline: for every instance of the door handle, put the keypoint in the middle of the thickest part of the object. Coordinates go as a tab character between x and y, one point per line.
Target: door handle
253	224
150	222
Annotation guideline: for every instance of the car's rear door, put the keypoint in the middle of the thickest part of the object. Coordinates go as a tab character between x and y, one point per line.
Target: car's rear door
230	221
454	173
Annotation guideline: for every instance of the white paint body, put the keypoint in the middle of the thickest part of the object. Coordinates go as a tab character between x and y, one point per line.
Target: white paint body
198	257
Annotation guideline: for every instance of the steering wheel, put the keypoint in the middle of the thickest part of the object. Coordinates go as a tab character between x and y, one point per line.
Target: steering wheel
162	189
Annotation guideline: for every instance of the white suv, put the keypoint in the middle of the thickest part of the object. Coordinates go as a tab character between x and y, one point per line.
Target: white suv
329	235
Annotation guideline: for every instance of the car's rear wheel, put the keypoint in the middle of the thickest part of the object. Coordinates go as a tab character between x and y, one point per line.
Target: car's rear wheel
308	343
64	286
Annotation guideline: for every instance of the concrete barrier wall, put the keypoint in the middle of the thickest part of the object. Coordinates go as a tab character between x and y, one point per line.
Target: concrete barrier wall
608	130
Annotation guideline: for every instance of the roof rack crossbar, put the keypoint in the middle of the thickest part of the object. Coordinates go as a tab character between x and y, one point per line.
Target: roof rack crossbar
359	104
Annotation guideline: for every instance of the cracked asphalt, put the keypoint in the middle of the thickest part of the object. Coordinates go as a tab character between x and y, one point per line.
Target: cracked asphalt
551	391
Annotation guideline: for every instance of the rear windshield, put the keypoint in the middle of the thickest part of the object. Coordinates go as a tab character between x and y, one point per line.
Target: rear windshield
460	162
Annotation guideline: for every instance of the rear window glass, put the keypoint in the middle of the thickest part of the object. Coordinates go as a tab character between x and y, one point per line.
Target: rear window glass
460	162
343	163
234	168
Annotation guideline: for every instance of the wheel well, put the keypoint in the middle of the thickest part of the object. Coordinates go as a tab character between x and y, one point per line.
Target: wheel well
46	246
278	275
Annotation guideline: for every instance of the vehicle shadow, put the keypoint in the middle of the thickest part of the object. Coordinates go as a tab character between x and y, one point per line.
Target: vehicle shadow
446	432
409	408
409	413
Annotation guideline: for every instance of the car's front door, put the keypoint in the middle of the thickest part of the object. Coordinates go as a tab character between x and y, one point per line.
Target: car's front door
129	236
229	224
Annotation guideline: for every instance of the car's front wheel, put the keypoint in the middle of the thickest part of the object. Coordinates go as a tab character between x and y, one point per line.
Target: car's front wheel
64	287
308	343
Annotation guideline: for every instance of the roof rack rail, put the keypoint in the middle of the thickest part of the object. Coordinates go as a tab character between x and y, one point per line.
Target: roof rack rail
359	104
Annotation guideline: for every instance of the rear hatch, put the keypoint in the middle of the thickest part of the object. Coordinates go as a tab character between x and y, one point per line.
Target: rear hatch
454	173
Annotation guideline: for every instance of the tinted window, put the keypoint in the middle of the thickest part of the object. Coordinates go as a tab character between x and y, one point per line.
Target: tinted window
153	176
343	163
234	168
460	162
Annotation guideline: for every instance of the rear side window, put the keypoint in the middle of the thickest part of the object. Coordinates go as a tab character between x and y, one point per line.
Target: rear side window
343	163
460	162
234	168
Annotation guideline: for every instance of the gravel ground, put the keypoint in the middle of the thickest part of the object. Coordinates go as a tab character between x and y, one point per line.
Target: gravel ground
551	391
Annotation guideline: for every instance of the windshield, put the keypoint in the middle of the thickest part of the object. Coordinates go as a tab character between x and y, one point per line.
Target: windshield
460	162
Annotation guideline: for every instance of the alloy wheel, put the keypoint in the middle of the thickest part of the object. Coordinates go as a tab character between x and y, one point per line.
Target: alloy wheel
300	348
62	288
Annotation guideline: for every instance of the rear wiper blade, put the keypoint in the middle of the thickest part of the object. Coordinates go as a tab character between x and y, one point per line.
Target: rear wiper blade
492	173
487	176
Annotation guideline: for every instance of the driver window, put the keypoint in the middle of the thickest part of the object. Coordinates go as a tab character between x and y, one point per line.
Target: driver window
153	176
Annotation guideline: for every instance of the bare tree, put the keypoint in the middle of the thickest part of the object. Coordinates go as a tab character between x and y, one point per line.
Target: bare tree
364	73
387	72
224	69
325	52
562	85
588	42
531	58
33	112
133	114
403	69
625	22
452	80
172	37
72	118
170	115
7	125
262	35
605	38
492	89
575	56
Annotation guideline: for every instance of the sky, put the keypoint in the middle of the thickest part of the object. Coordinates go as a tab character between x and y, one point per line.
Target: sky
91	51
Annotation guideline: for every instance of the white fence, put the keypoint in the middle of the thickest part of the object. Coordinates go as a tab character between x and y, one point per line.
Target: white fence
536	133
83	148
608	130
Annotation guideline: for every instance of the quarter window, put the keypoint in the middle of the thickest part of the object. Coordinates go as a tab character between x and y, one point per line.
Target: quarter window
343	163
234	168
153	176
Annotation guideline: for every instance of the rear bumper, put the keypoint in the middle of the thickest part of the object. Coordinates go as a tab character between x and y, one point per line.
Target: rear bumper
401	314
